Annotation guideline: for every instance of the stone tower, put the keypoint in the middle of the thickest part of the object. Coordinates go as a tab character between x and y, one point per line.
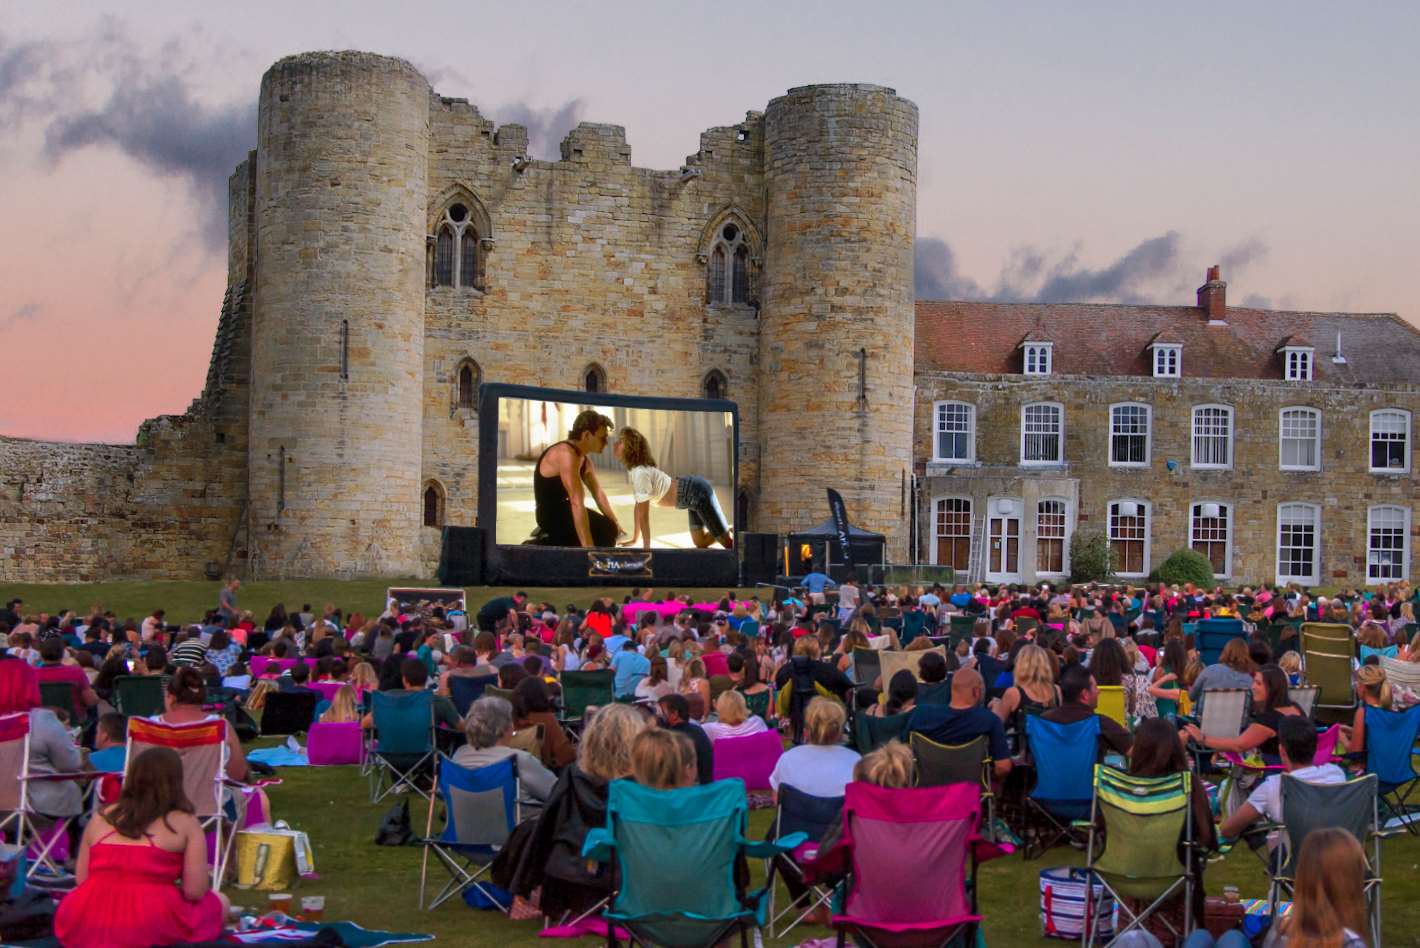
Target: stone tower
836	329
338	324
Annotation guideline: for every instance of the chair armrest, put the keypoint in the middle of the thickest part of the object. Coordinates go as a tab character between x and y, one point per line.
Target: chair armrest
598	845
1081	824
765	848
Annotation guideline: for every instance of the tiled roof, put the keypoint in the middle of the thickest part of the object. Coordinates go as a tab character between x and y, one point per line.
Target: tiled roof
1104	339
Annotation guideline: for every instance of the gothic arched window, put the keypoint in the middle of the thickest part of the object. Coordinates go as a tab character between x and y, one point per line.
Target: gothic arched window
433	504
468	380
458	260
727	271
594	378
714	384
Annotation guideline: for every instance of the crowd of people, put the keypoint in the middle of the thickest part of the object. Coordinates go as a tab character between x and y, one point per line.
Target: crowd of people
686	678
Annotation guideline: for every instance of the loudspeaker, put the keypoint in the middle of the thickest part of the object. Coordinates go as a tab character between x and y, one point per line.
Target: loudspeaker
461	557
761	557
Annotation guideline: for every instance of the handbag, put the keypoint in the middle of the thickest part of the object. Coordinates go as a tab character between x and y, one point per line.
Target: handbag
269	858
395	827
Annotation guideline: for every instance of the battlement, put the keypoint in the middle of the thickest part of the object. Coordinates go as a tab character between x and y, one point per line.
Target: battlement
591	141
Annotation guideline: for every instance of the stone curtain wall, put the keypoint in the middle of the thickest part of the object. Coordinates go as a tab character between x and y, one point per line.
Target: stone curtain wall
593	261
841	178
1344	488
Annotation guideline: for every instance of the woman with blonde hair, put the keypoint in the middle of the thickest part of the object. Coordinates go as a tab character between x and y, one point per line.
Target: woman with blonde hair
651	485
822	766
888	766
1375	692
734	718
663	760
342	708
1033	685
547	853
695	685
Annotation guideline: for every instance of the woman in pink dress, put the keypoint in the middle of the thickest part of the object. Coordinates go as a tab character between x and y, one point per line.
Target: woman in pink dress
132	854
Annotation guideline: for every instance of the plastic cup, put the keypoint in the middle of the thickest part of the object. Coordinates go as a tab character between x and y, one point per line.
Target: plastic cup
313	908
280	902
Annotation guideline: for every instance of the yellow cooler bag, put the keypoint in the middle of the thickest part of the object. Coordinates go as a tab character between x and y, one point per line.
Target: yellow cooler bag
269	858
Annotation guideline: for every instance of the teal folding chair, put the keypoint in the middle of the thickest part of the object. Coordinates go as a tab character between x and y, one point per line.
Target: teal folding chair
664	898
403	747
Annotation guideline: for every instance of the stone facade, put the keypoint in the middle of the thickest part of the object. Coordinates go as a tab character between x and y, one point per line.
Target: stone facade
334	398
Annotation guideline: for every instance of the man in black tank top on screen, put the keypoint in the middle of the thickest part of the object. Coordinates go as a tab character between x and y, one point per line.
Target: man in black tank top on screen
561	479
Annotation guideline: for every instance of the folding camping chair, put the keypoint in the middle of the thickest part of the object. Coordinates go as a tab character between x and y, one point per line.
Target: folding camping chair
805	813
58	695
911	855
1064	759
403	741
15	778
751	758
140	695
480	810
937	765
1400	674
582	690
1211	635
962	627
1111	704
203	748
288	712
871	731
1352	806
1327	653
1390	742
894	662
1304	697
867	666
1144	819
662	897
464	690
1222	712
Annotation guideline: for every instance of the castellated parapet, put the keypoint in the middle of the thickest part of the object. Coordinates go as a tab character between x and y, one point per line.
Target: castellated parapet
836	332
338	327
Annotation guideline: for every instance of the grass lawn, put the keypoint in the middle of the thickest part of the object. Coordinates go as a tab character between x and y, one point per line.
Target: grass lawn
377	886
186	601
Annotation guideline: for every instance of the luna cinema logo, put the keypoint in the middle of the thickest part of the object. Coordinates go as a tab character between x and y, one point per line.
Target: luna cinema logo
618	564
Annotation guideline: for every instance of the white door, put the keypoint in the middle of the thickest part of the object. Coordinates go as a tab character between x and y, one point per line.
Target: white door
1003	547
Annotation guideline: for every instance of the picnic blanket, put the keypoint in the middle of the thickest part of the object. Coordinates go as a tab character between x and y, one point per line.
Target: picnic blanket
274	930
282	756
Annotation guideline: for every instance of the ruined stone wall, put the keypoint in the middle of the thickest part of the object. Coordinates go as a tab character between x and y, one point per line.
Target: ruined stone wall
1344	488
841	180
593	261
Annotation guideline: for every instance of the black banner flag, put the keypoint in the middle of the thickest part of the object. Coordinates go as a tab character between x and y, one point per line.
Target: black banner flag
840	527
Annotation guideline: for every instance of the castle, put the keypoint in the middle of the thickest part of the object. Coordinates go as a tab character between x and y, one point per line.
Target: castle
390	249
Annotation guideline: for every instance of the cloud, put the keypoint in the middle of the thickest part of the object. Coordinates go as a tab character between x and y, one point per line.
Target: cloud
546	127
21	313
1152	271
104	89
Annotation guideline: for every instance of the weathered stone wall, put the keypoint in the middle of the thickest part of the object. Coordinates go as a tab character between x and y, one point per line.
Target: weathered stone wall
841	180
593	261
1255	485
338	324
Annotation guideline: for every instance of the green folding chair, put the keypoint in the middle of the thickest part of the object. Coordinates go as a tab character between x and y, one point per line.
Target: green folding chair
58	695
140	695
871	731
1135	857
936	765
1327	651
582	690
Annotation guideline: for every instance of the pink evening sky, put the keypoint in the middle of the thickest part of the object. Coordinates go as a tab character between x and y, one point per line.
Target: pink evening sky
1107	151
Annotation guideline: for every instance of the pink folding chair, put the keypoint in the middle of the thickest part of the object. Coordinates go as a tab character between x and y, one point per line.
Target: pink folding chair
332	744
750	758
327	689
914	833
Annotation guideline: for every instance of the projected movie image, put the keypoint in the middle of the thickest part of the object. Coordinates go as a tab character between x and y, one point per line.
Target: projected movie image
604	476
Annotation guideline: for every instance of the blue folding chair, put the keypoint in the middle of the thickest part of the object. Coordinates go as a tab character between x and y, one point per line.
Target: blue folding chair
1390	742
1210	635
464	690
664	898
800	812
480	811
404	741
1064	756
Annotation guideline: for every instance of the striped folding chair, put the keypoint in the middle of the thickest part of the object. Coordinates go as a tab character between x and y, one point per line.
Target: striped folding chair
202	746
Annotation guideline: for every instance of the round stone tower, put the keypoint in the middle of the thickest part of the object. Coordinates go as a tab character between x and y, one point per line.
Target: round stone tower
836	327
338	322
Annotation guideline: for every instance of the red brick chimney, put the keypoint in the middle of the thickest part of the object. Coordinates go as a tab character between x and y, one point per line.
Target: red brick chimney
1213	295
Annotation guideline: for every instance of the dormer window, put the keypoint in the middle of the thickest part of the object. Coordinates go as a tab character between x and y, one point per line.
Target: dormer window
1037	359
1168	360
1297	362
